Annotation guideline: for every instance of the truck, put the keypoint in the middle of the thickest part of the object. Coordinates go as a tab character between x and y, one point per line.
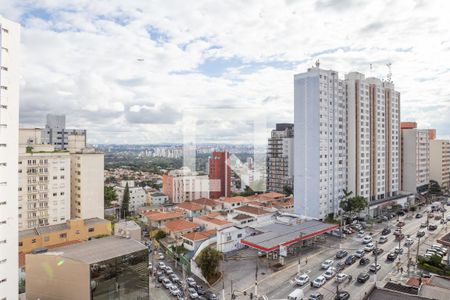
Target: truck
297	294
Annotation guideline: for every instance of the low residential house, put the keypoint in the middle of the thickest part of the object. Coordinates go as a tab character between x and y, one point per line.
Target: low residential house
212	221
191	209
230	203
128	229
53	235
242	219
228	239
192	240
159	219
209	205
284	205
179	227
157	199
137	195
259	213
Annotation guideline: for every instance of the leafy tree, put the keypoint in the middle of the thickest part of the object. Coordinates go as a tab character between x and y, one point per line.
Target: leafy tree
110	195
208	261
434	188
160	235
288	190
125	210
354	204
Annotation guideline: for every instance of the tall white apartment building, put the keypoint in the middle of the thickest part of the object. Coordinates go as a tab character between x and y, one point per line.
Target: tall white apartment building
87	184
373	130
440	162
280	158
137	194
44	186
415	158
346	137
9	153
320	142
56	133
184	185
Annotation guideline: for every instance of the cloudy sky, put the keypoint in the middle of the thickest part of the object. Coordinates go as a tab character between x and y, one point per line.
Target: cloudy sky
132	71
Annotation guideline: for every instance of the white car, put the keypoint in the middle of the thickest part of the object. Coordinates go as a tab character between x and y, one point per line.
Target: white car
161	256
341	277
448	218
409	242
330	273
328	263
367	239
360	253
361	233
161	265
166	282
168	269
374	267
192	293
173	289
319	281
301	279
369	247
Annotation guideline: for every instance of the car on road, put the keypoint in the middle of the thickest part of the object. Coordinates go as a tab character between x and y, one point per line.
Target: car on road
319	281
398	250
341	277
391	256
361	233
342	295
367	239
386	231
363	277
173	289
340	266
350	260
166	282
301	279
423	225
369	247
448	218
399	237
374	268
418	216
174	278
409	241
364	261
360	253
383	239
161	256
192	293
191	282
400	224
161	265
437	217
341	254
328	263
420	233
330	273
199	289
161	278
432	227
315	296
377	251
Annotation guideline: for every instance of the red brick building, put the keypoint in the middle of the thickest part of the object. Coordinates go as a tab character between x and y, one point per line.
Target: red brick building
219	175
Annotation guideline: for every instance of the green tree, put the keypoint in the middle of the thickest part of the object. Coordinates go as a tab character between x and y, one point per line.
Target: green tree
354	204
160	235
208	261
288	190
110	195
125	208
434	188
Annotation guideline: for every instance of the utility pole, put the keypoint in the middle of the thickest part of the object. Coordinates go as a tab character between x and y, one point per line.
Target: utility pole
256	280
409	260
300	247
376	261
417	250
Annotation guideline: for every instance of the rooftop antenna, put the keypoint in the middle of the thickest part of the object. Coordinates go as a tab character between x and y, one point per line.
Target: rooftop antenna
317	63
389	75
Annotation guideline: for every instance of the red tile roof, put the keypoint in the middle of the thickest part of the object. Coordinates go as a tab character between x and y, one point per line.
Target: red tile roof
206	201
252	210
190	206
213	220
198	236
179	225
159	216
235	199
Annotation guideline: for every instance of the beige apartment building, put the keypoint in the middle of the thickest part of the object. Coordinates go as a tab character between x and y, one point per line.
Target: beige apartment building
87	181
415	158
44	186
184	185
440	162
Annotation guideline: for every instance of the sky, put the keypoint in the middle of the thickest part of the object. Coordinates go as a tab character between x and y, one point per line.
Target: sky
136	72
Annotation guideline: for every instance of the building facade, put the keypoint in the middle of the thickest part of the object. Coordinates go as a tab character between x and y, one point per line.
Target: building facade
347	136
137	194
55	132
415	158
219	175
87	184
157	198
9	141
184	185
440	162
44	186
280	159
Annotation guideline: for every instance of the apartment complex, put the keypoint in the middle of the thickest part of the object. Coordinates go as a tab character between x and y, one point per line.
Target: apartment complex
55	132
87	181
347	137
184	185
280	158
137	194
415	158
44	186
9	141
440	162
219	174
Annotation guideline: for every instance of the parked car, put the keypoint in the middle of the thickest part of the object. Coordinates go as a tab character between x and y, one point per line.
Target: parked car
398	250
420	233
418	216
191	282
399	237
301	279
369	247
340	266
166	282
364	261
374	268
330	273
367	239
319	281
328	263
161	256
386	231
342	295
383	239
200	290
192	293
423	225
409	241
363	277
161	265
174	290
432	227
315	296
350	260
341	254
437	217
211	296
361	233
392	256
341	277
161	278
360	253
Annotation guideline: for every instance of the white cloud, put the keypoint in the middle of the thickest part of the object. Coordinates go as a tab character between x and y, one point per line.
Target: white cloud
95	60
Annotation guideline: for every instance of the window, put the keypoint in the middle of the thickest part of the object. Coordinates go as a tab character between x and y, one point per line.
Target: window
77	232
33	241
91	229
20	244
63	235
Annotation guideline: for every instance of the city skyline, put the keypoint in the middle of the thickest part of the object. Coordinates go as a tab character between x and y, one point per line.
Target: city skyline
171	60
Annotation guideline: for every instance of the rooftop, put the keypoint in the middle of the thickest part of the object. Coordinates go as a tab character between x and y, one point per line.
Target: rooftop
235	199
157	194
240	217
384	294
198	236
57	227
276	234
213	220
159	216
192	206
253	210
179	225
206	201
97	250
